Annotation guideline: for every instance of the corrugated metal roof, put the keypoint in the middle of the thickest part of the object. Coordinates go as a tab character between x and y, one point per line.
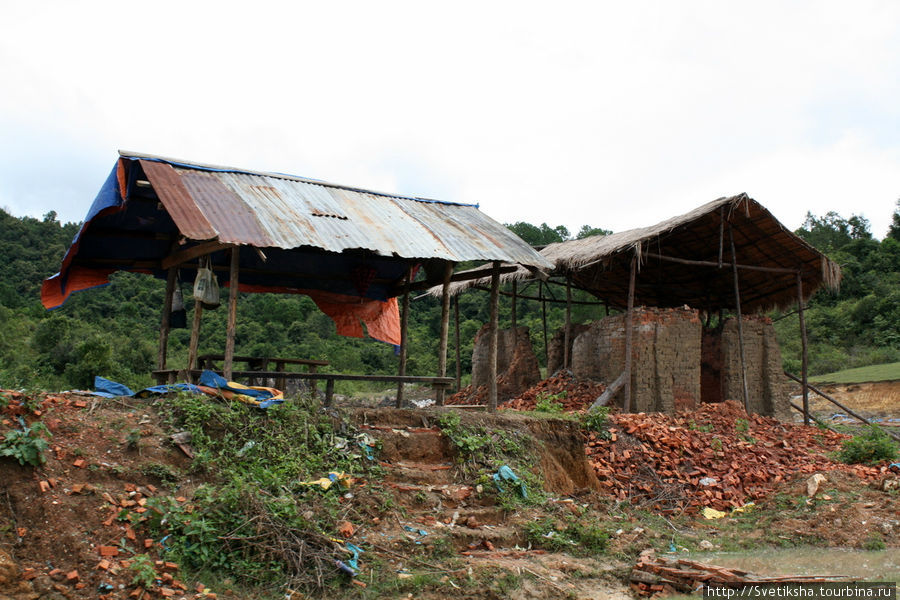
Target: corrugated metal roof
273	210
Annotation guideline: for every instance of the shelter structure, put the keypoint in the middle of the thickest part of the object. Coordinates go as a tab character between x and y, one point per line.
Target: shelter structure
729	254
353	251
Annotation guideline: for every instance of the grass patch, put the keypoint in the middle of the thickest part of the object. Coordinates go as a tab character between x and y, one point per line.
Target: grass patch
884	372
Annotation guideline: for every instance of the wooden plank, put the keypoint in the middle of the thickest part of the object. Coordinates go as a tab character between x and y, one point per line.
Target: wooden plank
544	324
740	320
607	395
804	358
629	319
164	326
432	380
404	330
445	330
492	341
232	311
275	359
512	312
182	256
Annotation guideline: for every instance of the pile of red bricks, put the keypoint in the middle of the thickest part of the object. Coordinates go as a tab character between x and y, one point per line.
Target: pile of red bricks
564	388
716	456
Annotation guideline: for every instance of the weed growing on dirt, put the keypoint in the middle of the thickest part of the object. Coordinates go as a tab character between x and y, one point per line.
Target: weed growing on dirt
261	519
144	571
575	536
26	445
160	471
548	403
481	452
597	420
873	445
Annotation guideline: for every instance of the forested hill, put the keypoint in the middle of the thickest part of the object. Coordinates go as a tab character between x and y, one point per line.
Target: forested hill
113	331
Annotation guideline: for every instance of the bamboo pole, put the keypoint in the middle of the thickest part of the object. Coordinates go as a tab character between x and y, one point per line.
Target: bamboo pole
164	326
458	352
568	321
228	365
804	373
629	319
493	340
740	320
195	339
445	333
404	321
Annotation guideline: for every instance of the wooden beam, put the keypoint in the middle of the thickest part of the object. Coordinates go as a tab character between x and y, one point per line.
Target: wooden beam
458	351
539	299
608	394
445	331
512	312
457	277
629	319
164	325
544	323
567	333
709	263
182	256
740	320
804	365
232	311
404	329
494	338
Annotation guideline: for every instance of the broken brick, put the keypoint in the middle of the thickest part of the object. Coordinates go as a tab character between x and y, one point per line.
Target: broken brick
80	463
108	550
72	576
44	485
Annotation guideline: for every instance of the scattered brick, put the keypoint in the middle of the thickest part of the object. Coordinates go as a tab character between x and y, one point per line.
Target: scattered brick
44	485
148	543
77	487
80	463
29	573
108	550
103	565
72	576
21	531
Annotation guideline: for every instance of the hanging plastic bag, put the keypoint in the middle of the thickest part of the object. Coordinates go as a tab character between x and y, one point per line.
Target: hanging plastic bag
206	288
178	316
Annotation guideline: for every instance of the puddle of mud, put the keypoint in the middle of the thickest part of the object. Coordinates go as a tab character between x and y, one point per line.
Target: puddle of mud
862	565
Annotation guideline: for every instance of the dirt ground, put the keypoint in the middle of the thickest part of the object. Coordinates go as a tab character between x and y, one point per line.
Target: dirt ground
69	527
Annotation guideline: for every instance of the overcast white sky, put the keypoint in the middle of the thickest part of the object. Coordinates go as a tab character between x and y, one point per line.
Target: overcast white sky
613	114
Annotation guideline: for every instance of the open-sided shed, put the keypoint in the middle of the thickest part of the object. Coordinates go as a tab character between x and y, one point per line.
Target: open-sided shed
353	251
729	254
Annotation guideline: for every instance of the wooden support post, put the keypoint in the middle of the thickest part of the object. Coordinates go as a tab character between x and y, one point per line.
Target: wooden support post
228	366
629	318
495	336
567	332
195	339
458	351
164	322
544	323
804	357
721	234
445	333
329	392
513	310
740	320
404	321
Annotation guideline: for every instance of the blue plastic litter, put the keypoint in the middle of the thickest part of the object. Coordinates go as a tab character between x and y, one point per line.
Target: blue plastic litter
421	532
504	473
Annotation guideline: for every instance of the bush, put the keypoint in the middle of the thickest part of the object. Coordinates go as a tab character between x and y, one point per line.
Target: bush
871	446
26	445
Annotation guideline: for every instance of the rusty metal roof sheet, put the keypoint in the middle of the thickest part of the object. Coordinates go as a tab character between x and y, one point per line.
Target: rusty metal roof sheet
274	210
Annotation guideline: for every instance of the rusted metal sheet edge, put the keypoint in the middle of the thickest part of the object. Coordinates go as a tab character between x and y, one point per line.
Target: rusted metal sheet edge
178	202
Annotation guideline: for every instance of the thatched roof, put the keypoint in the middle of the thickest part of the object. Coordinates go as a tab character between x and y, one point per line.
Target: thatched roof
769	256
